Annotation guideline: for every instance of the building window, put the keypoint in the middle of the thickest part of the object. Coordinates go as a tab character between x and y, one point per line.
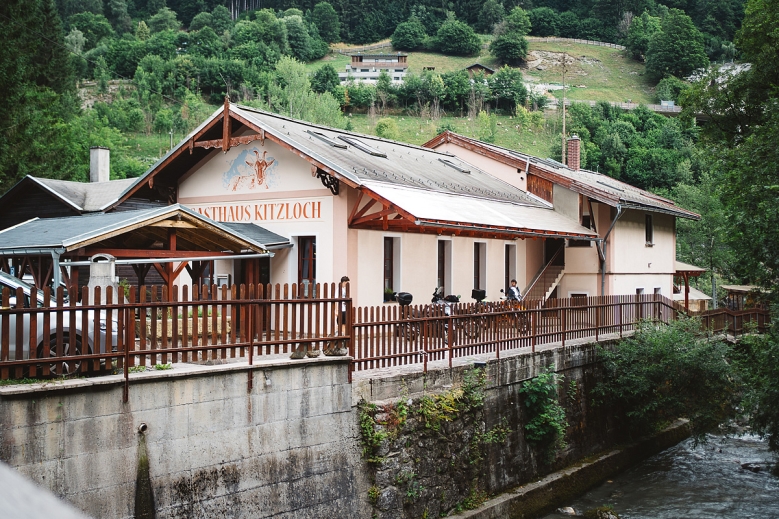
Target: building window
658	291
389	264
509	266
649	230
307	262
479	265
640	291
586	221
444	262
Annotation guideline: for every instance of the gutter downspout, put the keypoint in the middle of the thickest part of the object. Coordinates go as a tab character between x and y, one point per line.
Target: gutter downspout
56	273
602	251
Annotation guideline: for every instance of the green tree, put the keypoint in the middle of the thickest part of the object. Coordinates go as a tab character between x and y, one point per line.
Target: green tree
568	24
102	75
221	19
641	30
298	38
488	127
509	43
75	41
760	370
116	12
327	22
37	93
491	14
665	372
325	79
704	242
201	20
670	89
544	21
163	20
409	35
457	38
387	128
95	27
507	88
142	32
677	49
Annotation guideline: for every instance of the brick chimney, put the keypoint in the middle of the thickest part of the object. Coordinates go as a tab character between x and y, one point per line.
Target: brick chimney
573	152
99	164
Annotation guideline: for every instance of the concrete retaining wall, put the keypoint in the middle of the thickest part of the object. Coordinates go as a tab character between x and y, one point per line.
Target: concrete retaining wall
286	448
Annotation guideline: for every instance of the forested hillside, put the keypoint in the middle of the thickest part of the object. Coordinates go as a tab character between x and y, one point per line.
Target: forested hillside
108	72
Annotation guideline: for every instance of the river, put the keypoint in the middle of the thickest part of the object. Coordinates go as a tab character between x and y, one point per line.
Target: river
708	481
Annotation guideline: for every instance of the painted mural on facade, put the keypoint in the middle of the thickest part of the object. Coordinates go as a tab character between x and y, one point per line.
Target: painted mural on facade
251	170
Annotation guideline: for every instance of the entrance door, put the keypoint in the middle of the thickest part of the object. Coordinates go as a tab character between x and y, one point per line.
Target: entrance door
307	262
551	246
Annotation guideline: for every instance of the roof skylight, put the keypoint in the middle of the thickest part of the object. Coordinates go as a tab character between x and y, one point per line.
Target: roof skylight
455	166
362	146
325	138
609	185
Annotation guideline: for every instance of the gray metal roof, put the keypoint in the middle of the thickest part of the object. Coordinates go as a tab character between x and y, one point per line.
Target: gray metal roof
395	163
613	191
86	196
271	240
44	235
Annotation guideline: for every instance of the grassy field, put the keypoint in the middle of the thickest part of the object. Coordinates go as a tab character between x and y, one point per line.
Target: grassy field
416	130
594	73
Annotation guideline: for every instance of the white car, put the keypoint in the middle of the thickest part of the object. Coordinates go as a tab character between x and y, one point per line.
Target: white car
72	340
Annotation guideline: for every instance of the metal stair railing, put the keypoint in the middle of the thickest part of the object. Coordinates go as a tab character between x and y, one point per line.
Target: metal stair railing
545	276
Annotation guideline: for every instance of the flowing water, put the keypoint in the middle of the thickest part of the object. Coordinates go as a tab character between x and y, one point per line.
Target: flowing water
724	478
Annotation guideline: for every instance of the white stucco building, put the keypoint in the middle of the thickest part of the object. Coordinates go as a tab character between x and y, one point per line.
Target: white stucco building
393	216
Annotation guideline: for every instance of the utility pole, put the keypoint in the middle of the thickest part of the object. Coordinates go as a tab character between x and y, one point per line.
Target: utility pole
564	143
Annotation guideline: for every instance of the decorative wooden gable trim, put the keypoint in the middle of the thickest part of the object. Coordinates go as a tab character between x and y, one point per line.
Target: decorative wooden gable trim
540	187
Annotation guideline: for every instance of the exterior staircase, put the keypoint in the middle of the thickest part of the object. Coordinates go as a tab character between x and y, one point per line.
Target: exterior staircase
545	281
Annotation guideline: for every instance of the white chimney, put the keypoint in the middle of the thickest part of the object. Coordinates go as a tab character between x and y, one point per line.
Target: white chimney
99	164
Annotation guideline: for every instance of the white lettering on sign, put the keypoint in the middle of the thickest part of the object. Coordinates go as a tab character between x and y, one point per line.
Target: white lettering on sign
263	212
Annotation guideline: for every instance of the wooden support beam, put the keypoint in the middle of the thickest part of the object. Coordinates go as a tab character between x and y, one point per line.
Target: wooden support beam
158	253
362	211
226	129
373	216
174	224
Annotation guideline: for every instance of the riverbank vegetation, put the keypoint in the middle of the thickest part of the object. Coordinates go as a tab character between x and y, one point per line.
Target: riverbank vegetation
664	372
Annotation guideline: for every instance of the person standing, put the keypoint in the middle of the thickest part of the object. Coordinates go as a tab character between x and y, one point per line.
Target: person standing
342	320
514	293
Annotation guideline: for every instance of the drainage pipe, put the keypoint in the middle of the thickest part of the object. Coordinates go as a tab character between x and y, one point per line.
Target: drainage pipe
602	251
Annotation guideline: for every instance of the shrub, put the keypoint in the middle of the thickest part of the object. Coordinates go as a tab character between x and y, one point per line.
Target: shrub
387	128
455	37
408	35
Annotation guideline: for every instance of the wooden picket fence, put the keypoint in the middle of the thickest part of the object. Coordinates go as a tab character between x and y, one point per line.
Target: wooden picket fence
211	324
387	336
151	327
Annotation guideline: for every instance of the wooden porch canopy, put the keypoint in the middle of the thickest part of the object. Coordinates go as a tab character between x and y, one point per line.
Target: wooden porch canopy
685	271
170	239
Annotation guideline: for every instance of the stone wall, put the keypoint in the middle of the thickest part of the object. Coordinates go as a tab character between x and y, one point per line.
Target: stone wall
421	468
291	446
285	448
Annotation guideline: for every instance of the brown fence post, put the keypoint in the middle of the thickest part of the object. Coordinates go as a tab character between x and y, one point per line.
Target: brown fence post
562	322
597	320
533	329
450	338
350	329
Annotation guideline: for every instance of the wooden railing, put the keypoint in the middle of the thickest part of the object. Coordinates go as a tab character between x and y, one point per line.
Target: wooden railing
153	328
211	325
387	336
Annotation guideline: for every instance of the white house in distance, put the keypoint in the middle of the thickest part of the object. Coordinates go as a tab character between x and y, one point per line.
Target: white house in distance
394	216
637	229
367	67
